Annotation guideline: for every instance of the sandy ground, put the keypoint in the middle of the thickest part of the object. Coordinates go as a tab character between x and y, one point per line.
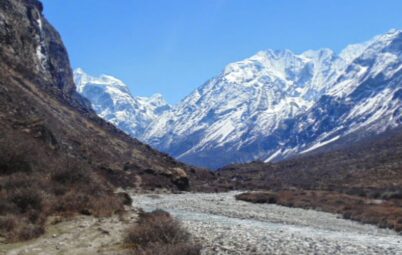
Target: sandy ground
82	235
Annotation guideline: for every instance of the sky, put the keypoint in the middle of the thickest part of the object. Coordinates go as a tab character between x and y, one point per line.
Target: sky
174	46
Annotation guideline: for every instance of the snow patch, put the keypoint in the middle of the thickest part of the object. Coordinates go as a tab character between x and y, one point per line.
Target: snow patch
40	49
320	144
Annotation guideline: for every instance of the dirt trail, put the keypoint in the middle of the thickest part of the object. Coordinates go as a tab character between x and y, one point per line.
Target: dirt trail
82	235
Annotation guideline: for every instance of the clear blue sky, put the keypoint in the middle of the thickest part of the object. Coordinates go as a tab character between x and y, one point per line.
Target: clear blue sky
174	46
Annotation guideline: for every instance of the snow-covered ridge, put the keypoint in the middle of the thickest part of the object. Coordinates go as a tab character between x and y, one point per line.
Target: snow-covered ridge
270	106
113	101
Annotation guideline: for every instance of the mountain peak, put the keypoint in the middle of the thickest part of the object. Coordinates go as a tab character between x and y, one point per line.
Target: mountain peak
156	100
394	31
387	38
157	96
79	70
315	54
111	80
81	79
112	100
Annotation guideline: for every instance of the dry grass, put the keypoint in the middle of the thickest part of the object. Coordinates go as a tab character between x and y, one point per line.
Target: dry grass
158	233
383	213
32	189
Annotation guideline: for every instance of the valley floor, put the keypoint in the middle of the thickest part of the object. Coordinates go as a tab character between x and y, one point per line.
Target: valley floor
222	225
226	226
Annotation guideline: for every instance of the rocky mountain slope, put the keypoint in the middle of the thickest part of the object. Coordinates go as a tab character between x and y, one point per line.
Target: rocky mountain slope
234	112
39	102
57	157
364	100
277	104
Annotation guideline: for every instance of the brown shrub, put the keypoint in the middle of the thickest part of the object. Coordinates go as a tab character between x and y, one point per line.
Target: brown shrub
258	197
27	232
106	205
26	199
74	201
125	198
386	214
61	187
72	173
157	227
158	233
11	163
8	223
19	229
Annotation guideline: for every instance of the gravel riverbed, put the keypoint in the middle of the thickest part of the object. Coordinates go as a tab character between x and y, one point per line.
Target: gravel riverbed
224	225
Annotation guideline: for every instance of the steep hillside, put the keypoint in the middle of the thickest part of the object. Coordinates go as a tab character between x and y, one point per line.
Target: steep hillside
56	155
38	92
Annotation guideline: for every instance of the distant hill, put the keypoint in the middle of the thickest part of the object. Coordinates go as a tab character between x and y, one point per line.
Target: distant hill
368	167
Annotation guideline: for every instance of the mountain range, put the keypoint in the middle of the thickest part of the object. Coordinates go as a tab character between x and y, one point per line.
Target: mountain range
271	106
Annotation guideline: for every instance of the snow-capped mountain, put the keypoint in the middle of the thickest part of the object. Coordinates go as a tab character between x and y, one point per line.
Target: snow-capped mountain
244	104
272	105
112	100
365	99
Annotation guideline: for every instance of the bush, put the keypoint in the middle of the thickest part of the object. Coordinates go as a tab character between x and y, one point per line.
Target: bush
125	198
72	175
158	233
8	223
258	197
26	199
19	229
36	183
57	189
386	214
157	227
11	163
29	231
75	201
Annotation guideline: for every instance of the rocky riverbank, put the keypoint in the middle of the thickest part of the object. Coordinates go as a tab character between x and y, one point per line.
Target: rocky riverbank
222	225
226	226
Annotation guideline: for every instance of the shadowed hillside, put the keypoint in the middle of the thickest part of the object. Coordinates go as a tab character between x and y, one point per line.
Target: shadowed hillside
56	155
374	164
